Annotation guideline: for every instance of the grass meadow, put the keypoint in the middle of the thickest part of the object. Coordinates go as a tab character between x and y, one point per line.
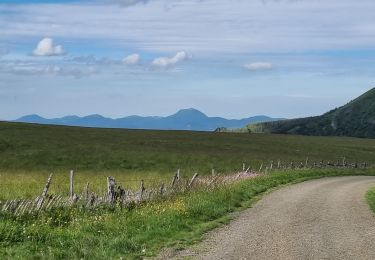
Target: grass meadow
29	153
140	231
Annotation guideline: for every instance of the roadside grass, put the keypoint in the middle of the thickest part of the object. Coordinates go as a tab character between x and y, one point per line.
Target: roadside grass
371	198
143	230
29	184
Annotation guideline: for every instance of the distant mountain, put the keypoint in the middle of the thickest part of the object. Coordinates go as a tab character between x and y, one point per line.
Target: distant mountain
356	119
185	119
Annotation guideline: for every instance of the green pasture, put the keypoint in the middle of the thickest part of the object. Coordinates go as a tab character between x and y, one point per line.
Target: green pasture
29	153
73	233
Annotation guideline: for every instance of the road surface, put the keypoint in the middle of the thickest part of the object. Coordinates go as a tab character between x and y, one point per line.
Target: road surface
320	219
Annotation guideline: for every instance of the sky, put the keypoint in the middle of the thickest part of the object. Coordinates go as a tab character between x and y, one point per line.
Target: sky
238	58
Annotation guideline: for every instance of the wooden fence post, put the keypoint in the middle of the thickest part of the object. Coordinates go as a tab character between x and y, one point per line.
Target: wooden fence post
74	199
193	179
111	183
261	167
71	191
87	191
142	190
41	199
175	177
46	187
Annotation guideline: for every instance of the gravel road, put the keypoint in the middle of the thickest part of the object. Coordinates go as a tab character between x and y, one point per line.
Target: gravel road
320	219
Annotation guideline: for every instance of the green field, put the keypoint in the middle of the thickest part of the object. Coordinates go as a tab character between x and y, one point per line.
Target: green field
140	231
29	153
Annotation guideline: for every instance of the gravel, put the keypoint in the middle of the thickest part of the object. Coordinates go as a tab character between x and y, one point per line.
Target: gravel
321	219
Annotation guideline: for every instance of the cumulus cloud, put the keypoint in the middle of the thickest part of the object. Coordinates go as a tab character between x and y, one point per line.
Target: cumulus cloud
259	66
131	59
47	47
170	62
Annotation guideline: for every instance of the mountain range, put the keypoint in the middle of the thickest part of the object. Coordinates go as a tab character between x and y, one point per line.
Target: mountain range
356	119
185	119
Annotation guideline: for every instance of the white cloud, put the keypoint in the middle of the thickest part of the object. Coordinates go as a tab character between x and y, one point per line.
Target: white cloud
31	69
47	47
258	66
208	26
169	62
131	59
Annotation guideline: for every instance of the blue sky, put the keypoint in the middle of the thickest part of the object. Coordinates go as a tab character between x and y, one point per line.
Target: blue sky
239	58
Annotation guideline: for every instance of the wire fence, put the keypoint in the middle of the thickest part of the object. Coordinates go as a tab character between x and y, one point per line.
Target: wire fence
114	194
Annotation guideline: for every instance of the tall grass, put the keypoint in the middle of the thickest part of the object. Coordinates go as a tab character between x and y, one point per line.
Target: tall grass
29	184
142	230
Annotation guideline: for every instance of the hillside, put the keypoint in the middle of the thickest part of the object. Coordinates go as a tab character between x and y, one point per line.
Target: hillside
185	119
45	148
355	119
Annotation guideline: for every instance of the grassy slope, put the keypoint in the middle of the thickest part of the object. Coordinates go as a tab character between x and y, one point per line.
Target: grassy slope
356	118
28	153
141	231
45	148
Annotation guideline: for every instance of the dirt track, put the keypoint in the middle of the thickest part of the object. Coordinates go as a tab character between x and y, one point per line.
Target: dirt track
320	219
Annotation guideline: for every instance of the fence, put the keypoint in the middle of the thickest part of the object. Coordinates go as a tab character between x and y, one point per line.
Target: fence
117	196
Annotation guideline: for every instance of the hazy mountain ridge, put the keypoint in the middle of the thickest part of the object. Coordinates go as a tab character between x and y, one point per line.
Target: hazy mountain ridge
185	119
356	119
